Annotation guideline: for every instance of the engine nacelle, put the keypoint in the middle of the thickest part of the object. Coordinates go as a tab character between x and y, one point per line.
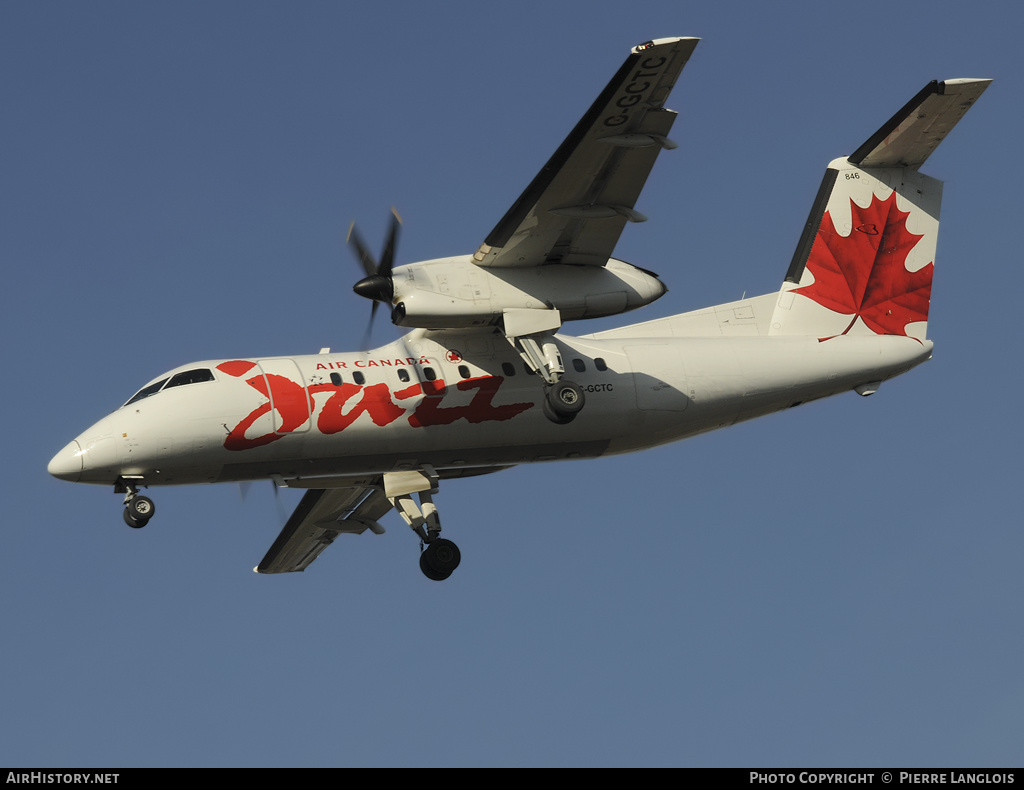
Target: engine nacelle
456	292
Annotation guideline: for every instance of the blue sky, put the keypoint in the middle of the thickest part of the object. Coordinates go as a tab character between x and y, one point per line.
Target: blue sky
836	585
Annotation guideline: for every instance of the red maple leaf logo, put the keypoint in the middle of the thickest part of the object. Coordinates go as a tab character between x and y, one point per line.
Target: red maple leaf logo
865	274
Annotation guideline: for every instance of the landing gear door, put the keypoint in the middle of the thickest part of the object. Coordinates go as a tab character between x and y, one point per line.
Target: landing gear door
288	396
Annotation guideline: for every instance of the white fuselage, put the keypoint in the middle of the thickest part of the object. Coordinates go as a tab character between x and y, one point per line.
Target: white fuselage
460	402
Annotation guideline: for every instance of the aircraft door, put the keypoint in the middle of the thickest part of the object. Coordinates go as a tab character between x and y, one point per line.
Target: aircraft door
288	395
658	376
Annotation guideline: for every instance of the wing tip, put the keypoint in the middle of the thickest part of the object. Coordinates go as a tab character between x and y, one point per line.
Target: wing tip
966	81
658	42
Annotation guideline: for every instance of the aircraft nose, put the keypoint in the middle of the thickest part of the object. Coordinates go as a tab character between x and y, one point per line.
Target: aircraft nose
67	464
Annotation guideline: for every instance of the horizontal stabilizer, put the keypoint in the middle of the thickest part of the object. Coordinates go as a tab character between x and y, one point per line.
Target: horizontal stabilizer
910	136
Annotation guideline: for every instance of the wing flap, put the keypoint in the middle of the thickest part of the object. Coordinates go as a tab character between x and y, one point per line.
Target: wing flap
319	518
574	210
592	240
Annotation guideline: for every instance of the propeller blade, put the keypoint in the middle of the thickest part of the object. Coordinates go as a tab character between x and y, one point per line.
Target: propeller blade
282	513
369	328
378	284
387	259
362	251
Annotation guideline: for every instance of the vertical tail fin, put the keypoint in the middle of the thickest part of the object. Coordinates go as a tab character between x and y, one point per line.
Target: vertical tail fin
865	260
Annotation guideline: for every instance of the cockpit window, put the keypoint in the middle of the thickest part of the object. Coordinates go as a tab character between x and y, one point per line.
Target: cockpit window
185	377
190	377
145	392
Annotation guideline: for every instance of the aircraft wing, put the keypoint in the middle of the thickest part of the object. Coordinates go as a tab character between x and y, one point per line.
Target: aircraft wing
575	209
321	516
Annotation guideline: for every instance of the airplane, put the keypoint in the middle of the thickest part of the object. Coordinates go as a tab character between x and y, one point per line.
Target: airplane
484	380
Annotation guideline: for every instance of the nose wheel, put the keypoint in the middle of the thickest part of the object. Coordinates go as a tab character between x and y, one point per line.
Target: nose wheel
138	509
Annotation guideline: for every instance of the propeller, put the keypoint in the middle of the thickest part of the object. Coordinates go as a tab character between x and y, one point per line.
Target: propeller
378	284
282	512
245	486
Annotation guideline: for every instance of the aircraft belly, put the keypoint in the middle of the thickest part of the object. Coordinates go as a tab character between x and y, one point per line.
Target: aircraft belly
441	459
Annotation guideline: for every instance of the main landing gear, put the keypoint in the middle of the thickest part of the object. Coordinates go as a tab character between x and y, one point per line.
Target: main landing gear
138	509
563	399
439	557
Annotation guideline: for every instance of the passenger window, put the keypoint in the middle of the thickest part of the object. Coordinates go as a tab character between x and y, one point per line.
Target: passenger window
432	385
190	377
579	365
464	371
403	374
600	364
336	379
359	378
508	368
145	392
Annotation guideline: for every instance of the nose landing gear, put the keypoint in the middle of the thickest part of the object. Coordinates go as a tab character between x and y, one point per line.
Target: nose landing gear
138	509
